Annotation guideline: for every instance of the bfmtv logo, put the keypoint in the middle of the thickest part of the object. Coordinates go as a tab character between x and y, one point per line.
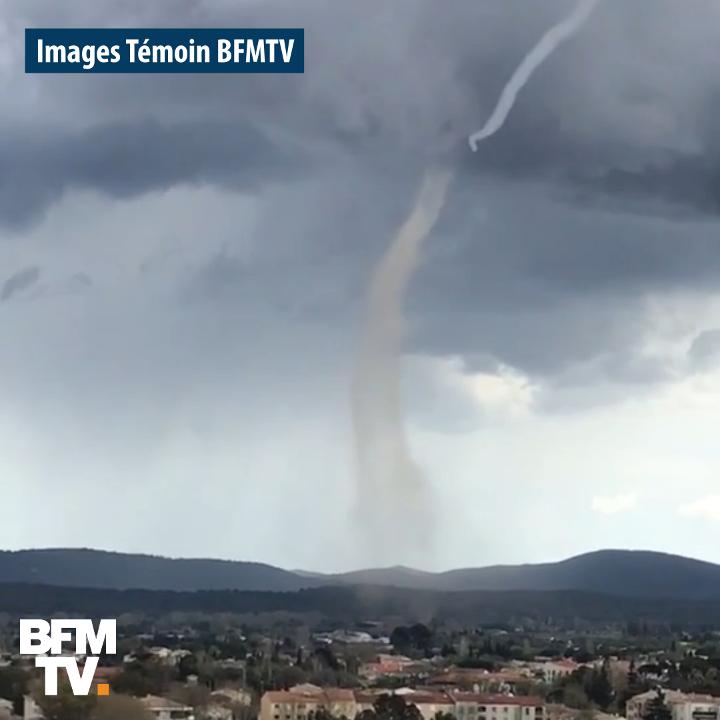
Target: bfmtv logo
50	641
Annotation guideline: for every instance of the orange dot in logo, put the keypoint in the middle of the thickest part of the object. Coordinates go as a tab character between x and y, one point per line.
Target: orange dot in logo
103	689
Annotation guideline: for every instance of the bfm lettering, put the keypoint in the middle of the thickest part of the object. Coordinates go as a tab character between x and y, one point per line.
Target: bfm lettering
47	640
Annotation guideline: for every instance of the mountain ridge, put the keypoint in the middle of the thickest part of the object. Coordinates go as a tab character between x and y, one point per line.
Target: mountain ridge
618	572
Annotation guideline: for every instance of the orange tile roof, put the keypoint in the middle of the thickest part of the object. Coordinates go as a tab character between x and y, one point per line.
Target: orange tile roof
339	695
323	696
285	696
428	698
466	675
367	697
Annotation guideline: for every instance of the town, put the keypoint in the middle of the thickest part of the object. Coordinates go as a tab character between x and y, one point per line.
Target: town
221	668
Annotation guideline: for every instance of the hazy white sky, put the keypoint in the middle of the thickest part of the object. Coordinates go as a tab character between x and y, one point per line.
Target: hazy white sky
183	262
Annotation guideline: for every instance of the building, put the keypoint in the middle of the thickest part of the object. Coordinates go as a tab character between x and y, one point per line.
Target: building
232	696
482	706
353	638
218	711
506	680
429	703
297	704
164	709
389	666
697	707
682	705
221	703
562	712
554	670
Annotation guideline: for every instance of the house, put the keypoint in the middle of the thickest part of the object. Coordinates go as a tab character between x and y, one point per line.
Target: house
166	656
554	670
234	696
562	712
387	666
299	702
218	711
431	703
164	709
223	703
477	680
483	706
683	706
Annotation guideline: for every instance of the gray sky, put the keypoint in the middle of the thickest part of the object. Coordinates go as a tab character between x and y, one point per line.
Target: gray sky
183	262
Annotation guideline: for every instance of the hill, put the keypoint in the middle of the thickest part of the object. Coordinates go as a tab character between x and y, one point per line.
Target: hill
101	569
614	572
608	572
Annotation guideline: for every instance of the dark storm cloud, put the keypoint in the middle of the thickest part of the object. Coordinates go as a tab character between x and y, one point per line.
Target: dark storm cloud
616	171
412	79
128	159
20	281
614	135
392	82
561	250
543	286
685	183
